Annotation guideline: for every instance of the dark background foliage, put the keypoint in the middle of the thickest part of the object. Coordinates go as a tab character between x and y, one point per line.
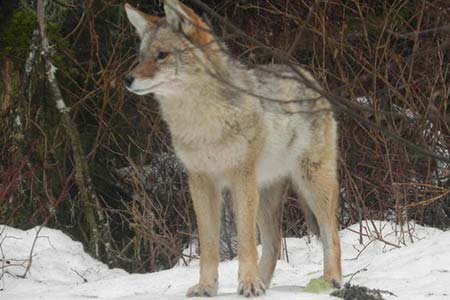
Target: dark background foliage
387	60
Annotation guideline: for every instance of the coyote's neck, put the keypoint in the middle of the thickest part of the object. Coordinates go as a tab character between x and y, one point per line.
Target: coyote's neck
200	111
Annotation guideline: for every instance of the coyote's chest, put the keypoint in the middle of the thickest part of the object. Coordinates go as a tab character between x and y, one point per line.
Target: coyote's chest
212	158
215	138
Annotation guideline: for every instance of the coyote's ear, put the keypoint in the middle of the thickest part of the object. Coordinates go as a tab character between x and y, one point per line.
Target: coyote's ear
141	21
183	19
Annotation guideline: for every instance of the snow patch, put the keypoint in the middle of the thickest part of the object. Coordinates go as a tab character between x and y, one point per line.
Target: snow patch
413	262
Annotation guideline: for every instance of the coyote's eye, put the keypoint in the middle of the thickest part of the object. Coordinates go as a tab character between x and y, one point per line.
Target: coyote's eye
161	55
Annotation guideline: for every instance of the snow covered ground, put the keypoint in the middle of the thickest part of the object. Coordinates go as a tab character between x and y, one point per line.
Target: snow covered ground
60	269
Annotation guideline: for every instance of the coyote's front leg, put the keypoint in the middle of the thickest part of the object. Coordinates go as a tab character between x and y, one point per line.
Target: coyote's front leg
245	198
207	210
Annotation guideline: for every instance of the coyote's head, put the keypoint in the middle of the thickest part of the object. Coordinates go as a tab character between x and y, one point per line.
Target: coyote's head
173	48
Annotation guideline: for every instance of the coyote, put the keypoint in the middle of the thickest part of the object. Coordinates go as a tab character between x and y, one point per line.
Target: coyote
250	132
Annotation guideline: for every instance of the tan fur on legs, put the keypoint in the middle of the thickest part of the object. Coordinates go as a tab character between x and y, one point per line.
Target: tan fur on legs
207	210
245	202
319	188
269	224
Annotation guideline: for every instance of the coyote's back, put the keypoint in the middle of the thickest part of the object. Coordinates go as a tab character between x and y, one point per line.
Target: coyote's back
249	131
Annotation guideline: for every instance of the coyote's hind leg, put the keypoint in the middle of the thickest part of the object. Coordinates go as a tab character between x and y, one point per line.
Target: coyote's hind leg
269	224
317	184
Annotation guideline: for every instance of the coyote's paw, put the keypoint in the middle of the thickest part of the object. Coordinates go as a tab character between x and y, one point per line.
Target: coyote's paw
251	288
335	282
202	290
334	279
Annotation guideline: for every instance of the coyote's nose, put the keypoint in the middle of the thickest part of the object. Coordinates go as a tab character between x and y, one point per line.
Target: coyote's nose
128	79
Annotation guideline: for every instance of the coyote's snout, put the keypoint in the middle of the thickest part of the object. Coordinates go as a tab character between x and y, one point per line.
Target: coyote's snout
249	131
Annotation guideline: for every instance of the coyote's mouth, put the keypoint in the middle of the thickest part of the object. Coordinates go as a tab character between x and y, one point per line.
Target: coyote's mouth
144	91
139	92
